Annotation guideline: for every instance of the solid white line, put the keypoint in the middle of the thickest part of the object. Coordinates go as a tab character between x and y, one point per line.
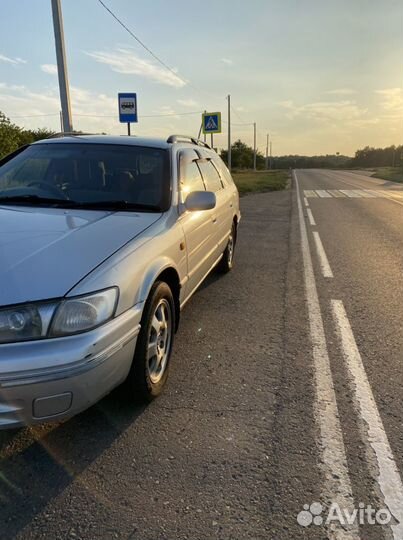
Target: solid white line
387	474
306	202
310	217
333	462
323	260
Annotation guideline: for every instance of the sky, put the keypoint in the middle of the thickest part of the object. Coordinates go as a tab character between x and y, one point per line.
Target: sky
320	76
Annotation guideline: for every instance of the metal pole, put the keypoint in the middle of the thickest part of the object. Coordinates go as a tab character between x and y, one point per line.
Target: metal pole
204	135
212	144
267	151
128	128
229	133
61	66
270	153
254	146
61	121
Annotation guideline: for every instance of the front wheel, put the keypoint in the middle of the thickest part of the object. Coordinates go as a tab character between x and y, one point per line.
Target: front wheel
149	371
227	261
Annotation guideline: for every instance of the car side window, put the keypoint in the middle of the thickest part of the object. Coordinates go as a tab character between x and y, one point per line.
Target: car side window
210	175
189	174
224	172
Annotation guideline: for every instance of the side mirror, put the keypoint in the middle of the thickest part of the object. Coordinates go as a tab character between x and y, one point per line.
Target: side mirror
200	200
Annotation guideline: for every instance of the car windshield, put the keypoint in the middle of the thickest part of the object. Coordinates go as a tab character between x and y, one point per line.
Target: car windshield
89	176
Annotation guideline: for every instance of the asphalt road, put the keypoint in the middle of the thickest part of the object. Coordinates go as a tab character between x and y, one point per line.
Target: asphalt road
285	390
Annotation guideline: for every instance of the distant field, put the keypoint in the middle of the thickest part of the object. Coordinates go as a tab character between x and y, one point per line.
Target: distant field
394	174
255	181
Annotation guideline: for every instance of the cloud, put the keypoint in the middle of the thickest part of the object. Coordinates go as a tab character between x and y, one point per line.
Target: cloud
125	61
51	69
187	102
227	61
14	61
324	111
392	100
342	91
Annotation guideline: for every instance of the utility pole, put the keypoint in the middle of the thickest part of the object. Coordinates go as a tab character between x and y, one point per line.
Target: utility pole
270	153
254	146
61	66
229	133
267	151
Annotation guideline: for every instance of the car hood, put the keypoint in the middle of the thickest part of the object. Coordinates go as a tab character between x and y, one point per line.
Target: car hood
44	252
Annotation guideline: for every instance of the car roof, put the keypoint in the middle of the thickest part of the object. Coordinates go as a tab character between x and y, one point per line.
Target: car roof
107	139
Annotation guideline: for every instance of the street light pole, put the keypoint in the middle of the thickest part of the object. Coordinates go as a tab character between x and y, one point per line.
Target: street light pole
61	66
229	132
254	146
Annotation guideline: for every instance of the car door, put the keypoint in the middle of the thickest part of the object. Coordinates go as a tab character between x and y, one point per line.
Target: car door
222	213
198	227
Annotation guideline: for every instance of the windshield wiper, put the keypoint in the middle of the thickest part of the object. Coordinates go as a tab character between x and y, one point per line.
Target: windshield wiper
33	199
67	203
118	205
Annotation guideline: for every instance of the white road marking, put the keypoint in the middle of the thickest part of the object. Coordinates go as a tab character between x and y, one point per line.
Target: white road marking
350	193
323	194
337	485
310	217
309	193
323	260
375	438
306	202
336	193
386	194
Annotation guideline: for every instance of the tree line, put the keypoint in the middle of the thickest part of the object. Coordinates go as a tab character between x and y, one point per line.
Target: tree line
242	158
13	136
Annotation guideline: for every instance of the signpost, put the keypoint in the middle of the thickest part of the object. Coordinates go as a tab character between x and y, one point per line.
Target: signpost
127	109
211	123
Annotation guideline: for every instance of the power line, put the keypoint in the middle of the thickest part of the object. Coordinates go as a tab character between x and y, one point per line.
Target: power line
111	115
141	43
133	35
33	115
142	115
239	117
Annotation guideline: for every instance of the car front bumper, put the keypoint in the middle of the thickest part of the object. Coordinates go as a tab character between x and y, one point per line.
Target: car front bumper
52	379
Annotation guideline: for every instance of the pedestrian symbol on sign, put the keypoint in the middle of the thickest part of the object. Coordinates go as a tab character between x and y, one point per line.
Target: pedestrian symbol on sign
211	125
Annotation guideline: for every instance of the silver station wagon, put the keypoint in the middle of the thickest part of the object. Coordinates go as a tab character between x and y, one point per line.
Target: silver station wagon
102	242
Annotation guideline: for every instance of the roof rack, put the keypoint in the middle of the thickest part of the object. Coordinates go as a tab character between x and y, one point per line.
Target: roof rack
67	134
186	139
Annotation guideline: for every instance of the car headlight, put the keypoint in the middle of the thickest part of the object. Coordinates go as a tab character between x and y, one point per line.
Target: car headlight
55	319
79	314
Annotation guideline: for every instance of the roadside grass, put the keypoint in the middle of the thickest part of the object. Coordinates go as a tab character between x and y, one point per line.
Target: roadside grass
260	181
394	174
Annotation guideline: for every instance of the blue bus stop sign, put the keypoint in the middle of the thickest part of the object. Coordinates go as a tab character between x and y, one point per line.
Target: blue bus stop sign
127	107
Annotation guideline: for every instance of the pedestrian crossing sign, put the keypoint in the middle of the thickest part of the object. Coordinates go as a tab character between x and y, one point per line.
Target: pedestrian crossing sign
211	122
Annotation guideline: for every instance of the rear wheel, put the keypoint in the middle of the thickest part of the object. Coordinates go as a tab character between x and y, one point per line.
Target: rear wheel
227	261
149	371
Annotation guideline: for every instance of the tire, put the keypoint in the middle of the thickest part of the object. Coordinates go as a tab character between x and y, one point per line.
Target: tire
227	261
149	371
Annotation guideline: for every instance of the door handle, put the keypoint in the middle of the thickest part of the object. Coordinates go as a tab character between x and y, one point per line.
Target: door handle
214	219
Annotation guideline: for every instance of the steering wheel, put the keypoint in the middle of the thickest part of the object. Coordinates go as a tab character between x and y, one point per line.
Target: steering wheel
48	187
